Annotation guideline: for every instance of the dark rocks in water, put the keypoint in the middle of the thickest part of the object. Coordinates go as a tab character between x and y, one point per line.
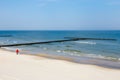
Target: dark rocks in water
75	38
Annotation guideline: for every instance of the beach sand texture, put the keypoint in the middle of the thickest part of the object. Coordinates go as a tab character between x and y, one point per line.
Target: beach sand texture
27	67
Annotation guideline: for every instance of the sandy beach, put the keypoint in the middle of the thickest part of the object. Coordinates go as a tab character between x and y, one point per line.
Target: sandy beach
27	67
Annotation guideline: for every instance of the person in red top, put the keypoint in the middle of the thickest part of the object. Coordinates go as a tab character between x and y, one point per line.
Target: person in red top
17	51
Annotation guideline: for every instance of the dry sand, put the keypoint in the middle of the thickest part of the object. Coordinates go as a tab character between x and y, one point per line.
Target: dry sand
27	67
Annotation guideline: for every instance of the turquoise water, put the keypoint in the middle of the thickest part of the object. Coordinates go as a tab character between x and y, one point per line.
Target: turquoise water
87	51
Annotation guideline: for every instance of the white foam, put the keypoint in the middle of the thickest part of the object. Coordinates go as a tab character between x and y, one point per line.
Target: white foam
59	51
9	48
45	48
119	59
86	42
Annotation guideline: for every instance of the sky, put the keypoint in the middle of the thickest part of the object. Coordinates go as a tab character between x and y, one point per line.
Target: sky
59	14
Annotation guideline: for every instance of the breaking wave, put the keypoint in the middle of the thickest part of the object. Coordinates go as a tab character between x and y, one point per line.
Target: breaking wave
86	42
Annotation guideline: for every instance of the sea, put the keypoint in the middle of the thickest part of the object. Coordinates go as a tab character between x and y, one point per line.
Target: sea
105	53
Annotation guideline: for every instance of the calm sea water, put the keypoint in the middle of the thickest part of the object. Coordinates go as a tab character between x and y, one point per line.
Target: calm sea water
100	52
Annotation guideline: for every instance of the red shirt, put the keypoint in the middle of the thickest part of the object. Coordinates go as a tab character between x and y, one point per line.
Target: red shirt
17	51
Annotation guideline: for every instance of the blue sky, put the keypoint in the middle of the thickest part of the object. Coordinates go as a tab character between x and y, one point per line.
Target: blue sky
60	14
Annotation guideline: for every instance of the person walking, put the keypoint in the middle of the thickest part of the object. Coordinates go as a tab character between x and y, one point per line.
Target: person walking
17	51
